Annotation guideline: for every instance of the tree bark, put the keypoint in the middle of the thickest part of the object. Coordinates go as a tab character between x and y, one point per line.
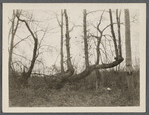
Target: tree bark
62	62
60	79
128	56
113	33
90	68
27	75
13	32
97	49
119	32
69	64
85	39
88	71
98	75
69	75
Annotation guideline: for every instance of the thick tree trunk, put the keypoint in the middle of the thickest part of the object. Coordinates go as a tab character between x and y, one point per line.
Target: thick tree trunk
62	62
88	71
128	56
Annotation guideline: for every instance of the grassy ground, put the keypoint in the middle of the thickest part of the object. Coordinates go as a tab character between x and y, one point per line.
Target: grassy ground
80	94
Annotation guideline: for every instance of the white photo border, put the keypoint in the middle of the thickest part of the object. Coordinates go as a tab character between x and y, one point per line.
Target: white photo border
5	89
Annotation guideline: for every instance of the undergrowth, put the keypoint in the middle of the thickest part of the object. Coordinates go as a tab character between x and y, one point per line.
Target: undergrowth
78	94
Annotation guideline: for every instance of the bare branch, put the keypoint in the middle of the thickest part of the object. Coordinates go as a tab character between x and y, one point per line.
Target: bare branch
21	41
95	11
100	22
42	38
34	50
57	19
72	28
113	34
21	56
110	44
95	36
20	63
27	27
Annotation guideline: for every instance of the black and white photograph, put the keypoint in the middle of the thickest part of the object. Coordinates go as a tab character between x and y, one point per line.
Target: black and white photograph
73	57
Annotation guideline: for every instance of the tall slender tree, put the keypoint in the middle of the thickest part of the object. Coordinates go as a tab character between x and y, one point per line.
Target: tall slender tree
27	74
128	55
13	29
69	75
62	62
69	63
85	38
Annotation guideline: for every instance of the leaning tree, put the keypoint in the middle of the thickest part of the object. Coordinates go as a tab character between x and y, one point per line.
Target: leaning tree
59	80
37	44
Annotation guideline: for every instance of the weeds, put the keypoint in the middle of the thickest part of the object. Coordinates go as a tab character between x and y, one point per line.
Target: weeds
78	94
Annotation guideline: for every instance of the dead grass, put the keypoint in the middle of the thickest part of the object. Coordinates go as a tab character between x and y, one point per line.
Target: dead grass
80	94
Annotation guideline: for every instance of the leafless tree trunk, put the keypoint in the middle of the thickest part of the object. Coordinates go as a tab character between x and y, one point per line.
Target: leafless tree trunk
113	33
85	38
61	78
62	62
68	75
27	75
69	64
98	75
13	32
90	68
128	56
119	32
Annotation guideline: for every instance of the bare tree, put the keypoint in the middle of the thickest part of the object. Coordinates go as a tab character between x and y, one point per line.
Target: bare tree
129	68
61	48
62	62
90	68
113	34
27	74
119	32
59	79
69	64
13	30
69	76
85	39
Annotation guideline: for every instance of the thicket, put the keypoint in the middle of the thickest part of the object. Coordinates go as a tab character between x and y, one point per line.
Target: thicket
112	91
